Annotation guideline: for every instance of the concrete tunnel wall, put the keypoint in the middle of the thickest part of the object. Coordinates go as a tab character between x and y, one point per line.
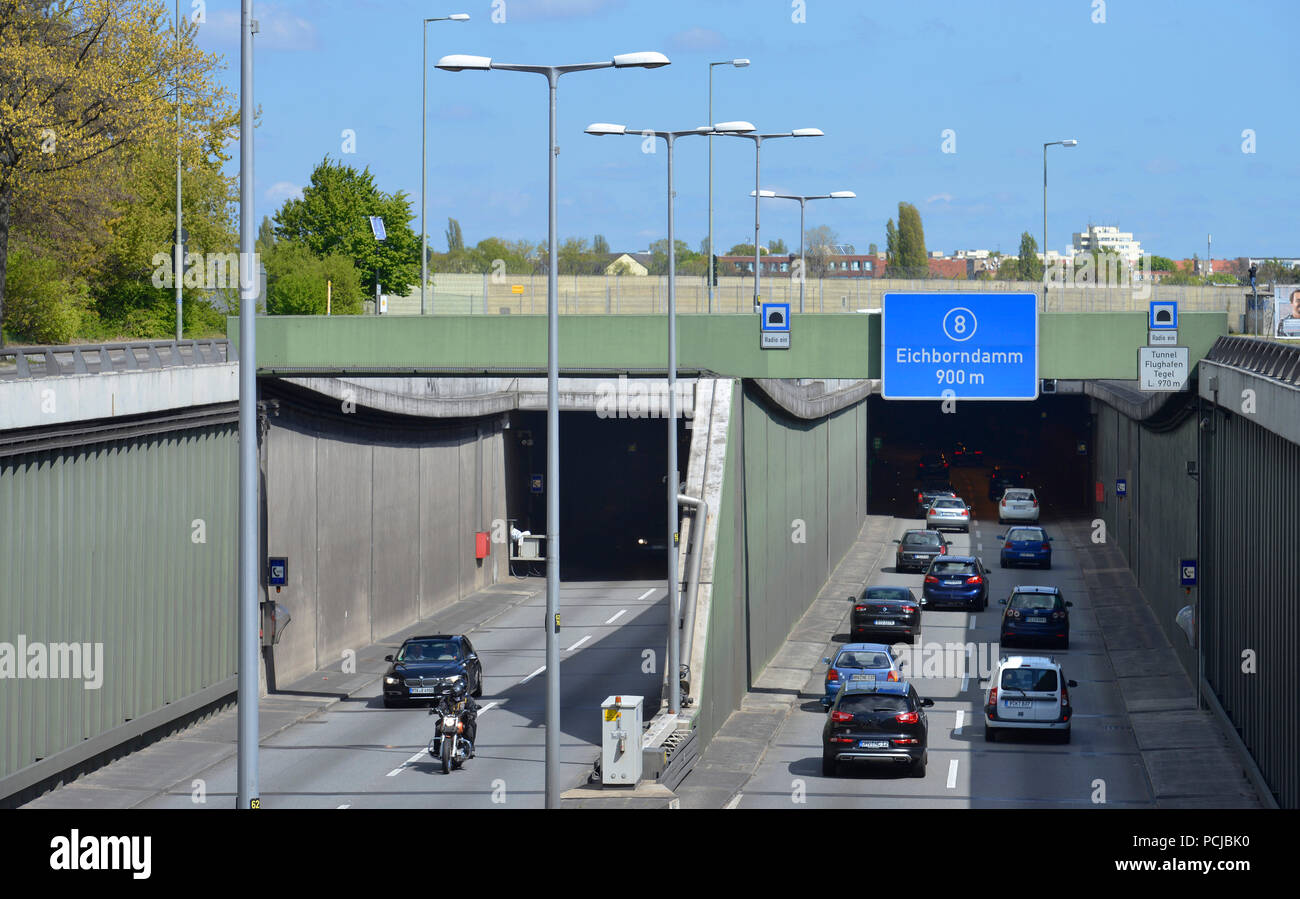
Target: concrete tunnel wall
377	523
779	469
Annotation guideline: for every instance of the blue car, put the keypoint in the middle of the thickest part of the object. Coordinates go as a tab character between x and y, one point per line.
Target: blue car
1026	546
1036	615
857	663
956	581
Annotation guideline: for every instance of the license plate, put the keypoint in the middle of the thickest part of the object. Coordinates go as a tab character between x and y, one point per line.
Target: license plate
883	623
952	583
863	677
421	690
1018	704
1026	555
873	744
1037	620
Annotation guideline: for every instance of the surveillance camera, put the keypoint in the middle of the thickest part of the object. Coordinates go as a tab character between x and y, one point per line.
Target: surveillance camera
1205	423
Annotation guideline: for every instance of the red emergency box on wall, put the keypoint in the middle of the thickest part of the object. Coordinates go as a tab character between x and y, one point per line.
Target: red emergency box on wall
481	545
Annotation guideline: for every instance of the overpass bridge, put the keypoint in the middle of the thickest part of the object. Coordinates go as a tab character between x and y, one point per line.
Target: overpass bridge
110	484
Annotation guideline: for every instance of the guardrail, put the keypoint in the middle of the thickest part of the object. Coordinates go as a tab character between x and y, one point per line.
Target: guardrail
85	359
1262	357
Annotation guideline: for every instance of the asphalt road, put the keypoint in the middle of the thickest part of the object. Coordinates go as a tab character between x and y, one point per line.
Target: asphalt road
358	754
964	771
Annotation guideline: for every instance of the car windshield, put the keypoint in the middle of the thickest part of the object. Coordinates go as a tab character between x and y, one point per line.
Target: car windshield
873	702
1018	494
861	659
1033	535
428	651
887	593
941	567
927	539
1023	601
948	504
1042	680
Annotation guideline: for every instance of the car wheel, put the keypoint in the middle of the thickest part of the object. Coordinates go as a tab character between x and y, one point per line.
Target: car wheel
918	767
1064	737
1048	564
1065	644
989	735
390	703
829	765
478	686
1002	563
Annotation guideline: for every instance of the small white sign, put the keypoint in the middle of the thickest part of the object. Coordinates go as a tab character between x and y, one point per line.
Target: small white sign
774	340
1163	368
1162	338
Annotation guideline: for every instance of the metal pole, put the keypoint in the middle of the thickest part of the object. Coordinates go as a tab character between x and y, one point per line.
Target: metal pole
710	138
176	273
803	271
248	467
1044	227
758	143
553	476
424	168
674	594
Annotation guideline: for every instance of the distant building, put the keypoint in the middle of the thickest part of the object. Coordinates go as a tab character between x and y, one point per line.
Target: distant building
1107	238
636	264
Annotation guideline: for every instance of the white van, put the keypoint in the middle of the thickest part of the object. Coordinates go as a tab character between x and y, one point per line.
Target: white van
1028	693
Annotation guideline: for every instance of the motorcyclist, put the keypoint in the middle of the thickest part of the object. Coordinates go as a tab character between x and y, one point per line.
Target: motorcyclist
458	702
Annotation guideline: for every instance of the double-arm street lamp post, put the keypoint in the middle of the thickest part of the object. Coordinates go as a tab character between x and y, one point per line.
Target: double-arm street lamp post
673	478
457	63
803	203
740	64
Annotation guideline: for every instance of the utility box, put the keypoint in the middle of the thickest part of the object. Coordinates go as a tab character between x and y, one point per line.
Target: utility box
620	740
481	545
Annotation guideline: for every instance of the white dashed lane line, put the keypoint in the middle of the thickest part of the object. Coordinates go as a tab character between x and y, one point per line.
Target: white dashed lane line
961	719
579	643
533	675
952	774
644	595
617	615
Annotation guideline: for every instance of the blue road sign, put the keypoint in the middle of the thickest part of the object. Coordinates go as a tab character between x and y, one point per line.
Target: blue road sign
1121	487
535	483
970	346
1187	572
277	572
1163	315
776	317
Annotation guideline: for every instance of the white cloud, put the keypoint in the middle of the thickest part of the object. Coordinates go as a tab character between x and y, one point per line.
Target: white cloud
283	190
277	29
939	198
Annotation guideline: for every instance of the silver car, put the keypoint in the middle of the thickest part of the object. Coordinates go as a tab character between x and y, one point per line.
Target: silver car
948	513
1018	504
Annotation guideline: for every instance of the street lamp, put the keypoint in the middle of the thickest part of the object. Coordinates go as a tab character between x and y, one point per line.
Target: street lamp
424	159
758	145
803	202
1053	143
457	63
740	64
674	596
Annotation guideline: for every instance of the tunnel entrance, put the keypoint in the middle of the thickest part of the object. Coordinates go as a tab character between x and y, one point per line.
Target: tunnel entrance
1049	439
613	507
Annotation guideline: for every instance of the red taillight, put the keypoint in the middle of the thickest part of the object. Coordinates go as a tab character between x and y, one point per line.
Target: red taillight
943	550
1013	613
1058	614
893	675
975	580
964	513
920	498
908	610
1035	502
993	696
907	718
931	579
1046	547
832	674
859	608
841	716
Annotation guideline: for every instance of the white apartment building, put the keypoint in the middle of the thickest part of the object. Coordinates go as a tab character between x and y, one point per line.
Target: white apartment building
1110	239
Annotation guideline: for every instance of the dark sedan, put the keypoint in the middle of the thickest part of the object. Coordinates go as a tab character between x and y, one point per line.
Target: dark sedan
1003	478
1036	614
426	667
876	721
886	612
960	581
928	491
917	549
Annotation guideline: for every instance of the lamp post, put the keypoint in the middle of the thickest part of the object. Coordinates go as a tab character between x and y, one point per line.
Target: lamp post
424	159
176	269
803	203
740	64
758	146
1051	143
457	63
674	593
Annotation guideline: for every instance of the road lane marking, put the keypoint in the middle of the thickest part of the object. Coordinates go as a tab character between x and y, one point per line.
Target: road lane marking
579	643
952	774
617	615
971	625
734	802
346	805
644	595
411	761
487	708
533	675
979	547
965	682
961	719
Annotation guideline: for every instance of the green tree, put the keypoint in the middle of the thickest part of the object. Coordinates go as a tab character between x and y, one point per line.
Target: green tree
455	241
265	237
891	245
332	217
819	243
911	243
299	282
1163	264
777	247
1029	267
599	245
44	304
872	250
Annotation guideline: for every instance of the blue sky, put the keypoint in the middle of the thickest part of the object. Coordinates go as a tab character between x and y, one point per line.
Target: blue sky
1158	96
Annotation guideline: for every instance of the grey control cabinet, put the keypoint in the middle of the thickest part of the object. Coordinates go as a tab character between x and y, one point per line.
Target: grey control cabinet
620	740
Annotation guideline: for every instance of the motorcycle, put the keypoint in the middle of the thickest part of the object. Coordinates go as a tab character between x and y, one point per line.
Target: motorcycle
449	744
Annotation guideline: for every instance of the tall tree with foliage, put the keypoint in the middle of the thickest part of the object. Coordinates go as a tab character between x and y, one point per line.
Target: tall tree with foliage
599	245
819	245
455	240
912	257
333	217
1029	267
891	245
81	83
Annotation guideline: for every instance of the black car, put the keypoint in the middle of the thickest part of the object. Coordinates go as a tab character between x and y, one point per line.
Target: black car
918	548
1036	615
876	721
1003	477
930	490
964	456
885	612
932	465
427	667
